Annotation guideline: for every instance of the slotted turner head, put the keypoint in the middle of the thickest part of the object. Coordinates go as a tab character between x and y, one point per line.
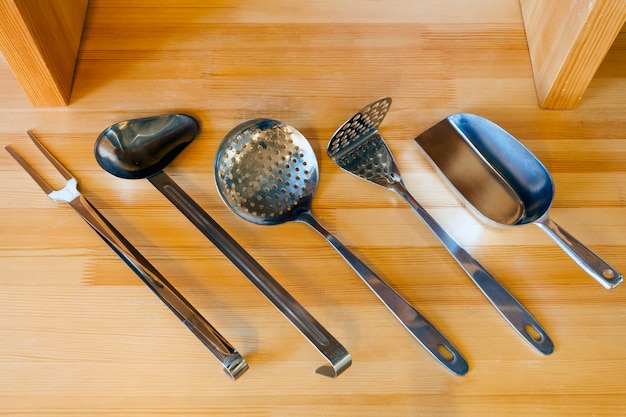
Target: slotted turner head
358	148
265	170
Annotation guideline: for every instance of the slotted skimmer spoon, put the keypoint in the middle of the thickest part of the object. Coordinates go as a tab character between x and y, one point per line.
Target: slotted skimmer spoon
142	148
503	181
358	148
266	172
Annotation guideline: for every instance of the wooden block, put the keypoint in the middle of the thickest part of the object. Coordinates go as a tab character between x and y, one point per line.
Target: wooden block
568	40
40	41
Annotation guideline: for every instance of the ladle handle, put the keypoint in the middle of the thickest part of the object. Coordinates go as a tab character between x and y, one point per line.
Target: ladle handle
511	309
323	341
234	364
425	333
588	260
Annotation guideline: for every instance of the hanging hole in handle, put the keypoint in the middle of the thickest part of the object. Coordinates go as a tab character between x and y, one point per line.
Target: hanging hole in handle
446	353
608	273
533	332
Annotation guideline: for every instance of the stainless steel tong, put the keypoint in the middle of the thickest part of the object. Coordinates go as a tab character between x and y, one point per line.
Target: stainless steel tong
234	364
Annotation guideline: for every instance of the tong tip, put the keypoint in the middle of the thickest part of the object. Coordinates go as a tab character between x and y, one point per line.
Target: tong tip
237	367
30	170
62	170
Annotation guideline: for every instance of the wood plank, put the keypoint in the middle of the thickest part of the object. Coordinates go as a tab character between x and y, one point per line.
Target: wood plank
80	335
40	41
568	40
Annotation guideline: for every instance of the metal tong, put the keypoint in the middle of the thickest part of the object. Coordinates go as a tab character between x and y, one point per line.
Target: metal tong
234	364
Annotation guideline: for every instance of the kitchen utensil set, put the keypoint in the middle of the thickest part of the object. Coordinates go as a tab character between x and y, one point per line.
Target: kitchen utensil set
267	173
358	148
141	148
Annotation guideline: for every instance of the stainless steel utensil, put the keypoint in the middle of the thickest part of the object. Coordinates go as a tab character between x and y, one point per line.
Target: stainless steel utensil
234	364
358	148
504	182
142	148
266	172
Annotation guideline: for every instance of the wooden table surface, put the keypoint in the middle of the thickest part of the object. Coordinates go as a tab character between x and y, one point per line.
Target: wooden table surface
81	335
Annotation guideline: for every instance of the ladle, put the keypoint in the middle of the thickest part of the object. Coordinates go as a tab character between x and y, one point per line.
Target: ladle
358	148
142	148
266	172
504	182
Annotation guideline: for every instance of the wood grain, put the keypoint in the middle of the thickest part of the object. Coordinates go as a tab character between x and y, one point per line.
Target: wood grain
80	335
568	41
40	41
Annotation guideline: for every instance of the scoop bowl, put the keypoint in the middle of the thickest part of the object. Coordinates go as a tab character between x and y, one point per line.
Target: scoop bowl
502	181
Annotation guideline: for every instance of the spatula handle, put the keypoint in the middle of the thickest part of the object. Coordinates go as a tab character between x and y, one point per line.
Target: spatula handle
511	309
425	333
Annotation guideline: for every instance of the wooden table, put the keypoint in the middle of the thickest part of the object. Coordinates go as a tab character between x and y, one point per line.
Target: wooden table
81	335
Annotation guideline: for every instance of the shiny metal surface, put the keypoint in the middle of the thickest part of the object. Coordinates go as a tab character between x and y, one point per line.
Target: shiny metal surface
139	148
125	145
234	364
267	173
502	181
358	148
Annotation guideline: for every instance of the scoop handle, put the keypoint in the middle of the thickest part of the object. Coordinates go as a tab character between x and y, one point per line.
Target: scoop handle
587	259
507	305
425	333
319	337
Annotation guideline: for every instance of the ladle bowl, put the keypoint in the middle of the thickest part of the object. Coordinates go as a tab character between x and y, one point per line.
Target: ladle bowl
502	181
140	148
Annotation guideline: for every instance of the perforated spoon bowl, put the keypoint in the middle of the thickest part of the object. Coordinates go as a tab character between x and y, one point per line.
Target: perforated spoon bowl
358	148
266	172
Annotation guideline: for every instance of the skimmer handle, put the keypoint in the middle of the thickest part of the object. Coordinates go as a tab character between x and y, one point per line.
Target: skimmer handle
425	333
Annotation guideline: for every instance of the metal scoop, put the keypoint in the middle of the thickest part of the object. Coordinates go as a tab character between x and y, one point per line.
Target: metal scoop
266	172
358	148
142	148
504	182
